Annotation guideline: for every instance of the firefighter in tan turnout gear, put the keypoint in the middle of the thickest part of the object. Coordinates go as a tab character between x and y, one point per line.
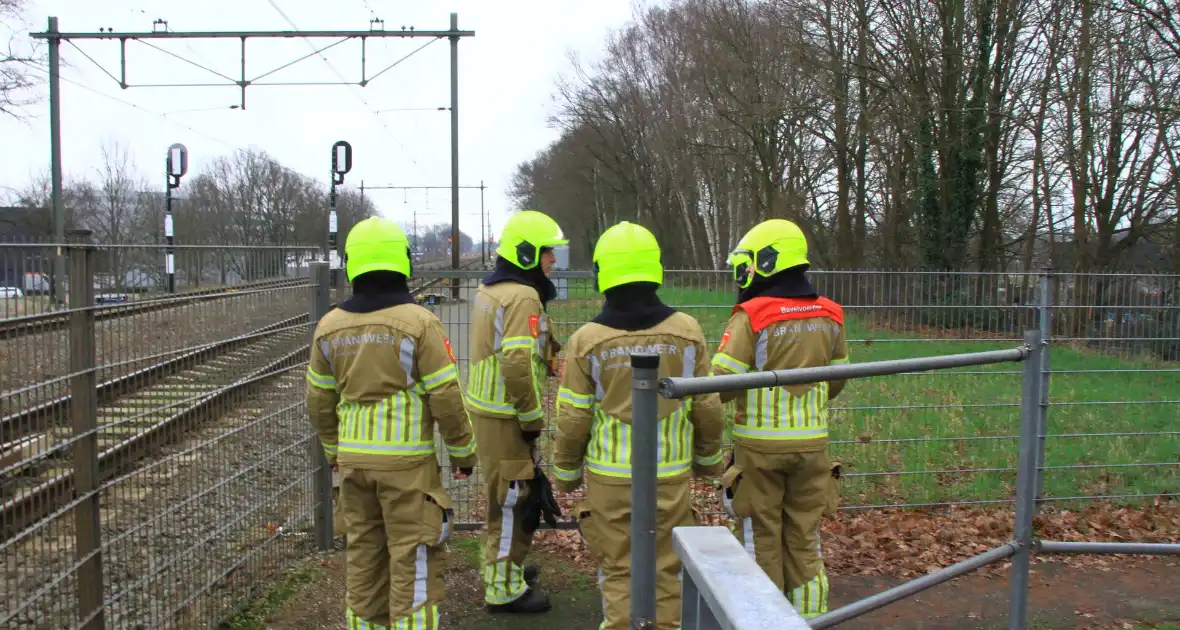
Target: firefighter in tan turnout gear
780	482
381	376
594	420
512	350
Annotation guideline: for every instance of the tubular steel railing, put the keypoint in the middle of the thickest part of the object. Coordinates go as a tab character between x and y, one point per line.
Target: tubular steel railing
720	598
724	589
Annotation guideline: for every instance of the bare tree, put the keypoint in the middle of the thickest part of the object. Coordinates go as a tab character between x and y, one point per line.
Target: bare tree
953	134
17	63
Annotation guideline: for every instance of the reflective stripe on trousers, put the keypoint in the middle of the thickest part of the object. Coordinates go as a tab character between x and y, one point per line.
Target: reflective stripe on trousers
811	598
424	617
504	580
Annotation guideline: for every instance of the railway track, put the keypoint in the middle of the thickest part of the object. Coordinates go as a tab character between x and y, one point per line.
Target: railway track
15	327
137	413
436	284
50	322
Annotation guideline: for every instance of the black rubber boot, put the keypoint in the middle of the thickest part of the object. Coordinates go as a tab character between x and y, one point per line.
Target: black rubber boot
529	603
532	574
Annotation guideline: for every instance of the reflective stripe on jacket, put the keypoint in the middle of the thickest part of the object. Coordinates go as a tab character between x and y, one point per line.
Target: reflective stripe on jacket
775	334
594	403
377	384
510	353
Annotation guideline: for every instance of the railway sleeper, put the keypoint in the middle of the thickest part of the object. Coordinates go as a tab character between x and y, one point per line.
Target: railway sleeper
50	322
50	491
33	420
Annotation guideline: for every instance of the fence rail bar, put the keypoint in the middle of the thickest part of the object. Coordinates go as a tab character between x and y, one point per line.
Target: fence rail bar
1133	548
1026	482
733	592
902	591
322	477
83	416
679	387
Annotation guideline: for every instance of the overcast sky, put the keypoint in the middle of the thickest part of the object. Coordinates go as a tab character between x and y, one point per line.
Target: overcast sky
507	76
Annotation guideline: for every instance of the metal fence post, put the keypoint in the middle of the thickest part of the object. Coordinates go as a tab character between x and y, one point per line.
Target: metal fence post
83	416
324	529
645	370
1026	481
1046	325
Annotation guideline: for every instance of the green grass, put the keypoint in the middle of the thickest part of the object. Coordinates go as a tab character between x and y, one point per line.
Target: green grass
254	616
910	425
467	547
576	601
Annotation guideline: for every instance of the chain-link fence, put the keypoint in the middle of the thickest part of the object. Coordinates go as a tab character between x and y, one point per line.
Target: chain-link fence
154	469
155	460
157	468
949	437
134	273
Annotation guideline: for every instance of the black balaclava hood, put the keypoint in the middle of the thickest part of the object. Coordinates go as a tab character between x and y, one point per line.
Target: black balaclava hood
376	290
788	283
506	271
633	306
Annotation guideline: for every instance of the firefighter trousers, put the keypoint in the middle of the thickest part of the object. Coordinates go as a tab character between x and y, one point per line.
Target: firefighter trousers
777	501
604	520
396	522
507	462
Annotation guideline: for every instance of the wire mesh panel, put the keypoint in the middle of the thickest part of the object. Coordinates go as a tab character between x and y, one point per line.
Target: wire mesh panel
164	434
947	437
1112	430
157	452
26	279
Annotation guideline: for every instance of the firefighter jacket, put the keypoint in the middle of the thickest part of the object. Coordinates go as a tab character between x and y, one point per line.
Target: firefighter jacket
594	404
511	351
377	384
773	333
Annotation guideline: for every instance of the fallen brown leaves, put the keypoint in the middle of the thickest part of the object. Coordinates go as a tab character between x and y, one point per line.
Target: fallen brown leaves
910	543
567	544
905	543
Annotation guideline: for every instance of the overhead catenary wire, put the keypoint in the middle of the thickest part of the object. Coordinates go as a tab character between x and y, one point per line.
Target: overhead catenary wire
169	29
164	117
372	110
317	51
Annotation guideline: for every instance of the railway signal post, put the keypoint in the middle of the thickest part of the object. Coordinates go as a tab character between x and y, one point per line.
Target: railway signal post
176	165
341	165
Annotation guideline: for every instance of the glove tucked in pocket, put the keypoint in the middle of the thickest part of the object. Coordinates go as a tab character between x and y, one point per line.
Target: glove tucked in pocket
833	505
729	483
585	518
339	522
437	518
540	503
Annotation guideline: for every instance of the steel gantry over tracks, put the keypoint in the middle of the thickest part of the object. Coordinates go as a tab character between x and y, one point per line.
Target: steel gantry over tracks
55	36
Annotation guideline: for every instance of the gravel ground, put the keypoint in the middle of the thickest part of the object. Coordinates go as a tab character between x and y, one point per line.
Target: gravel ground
319	605
136	342
192	531
1124	594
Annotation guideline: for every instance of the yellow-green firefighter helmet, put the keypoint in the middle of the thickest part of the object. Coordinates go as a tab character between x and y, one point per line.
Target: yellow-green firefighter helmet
768	248
627	253
376	244
524	236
